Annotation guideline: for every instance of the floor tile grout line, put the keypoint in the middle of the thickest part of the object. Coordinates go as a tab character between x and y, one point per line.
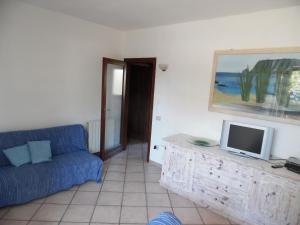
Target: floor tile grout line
4	214
122	199
68	205
203	222
194	207
33	215
14	220
76	191
96	203
171	205
147	209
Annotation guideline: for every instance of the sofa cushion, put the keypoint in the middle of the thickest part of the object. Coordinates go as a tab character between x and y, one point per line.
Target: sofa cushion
40	151
18	155
63	139
23	184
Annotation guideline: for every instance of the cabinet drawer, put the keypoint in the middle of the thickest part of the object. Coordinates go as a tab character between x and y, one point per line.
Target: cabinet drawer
228	166
227	180
230	202
224	188
230	174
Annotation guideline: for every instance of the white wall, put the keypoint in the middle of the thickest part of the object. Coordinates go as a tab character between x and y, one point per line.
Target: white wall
181	93
50	66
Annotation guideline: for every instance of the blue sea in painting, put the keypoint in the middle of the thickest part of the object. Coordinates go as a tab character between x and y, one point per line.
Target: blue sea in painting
229	83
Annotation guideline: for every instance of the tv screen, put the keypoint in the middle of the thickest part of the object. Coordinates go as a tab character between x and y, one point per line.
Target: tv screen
245	138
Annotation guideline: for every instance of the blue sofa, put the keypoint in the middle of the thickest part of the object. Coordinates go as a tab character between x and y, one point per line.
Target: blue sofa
71	164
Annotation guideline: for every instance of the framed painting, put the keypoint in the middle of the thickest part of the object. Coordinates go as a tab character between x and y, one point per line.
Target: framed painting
259	83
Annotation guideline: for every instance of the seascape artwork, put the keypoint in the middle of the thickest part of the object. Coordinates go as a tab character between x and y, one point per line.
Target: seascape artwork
263	84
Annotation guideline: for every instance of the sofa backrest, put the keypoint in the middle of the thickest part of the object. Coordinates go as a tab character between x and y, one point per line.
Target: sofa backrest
63	139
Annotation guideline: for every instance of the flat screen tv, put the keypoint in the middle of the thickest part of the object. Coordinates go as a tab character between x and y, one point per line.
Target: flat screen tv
247	140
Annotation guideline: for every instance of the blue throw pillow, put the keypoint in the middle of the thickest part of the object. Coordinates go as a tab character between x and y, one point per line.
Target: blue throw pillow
18	155
40	151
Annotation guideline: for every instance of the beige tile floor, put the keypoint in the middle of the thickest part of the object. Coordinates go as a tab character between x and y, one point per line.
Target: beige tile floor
129	194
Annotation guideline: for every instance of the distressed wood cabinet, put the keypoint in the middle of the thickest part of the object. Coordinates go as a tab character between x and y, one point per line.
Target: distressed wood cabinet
274	199
244	188
178	168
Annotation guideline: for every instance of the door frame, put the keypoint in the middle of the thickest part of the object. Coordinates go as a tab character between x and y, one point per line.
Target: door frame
150	100
122	146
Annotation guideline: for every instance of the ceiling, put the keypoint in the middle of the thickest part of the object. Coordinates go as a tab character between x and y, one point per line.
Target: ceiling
136	14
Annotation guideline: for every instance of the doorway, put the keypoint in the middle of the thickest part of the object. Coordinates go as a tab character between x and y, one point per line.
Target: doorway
132	109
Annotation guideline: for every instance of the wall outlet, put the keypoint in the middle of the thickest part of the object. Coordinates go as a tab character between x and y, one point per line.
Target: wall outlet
158	147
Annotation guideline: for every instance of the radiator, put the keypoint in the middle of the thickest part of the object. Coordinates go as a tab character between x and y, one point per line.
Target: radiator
94	136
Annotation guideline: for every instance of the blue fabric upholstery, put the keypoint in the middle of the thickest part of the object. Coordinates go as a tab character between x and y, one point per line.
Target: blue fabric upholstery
71	166
63	139
40	151
165	218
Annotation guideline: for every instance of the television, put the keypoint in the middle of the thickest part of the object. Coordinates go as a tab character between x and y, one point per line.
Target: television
247	140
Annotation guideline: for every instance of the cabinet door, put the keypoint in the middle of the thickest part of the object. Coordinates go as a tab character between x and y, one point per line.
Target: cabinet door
274	201
177	168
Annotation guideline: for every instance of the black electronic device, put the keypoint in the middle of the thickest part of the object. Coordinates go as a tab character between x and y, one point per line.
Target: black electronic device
293	164
247	140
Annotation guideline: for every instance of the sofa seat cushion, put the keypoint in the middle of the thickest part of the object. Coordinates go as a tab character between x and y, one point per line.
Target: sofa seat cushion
23	184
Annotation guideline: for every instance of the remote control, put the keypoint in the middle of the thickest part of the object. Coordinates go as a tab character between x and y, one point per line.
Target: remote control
276	166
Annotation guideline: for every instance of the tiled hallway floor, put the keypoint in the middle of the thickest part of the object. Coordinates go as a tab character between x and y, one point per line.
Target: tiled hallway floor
129	194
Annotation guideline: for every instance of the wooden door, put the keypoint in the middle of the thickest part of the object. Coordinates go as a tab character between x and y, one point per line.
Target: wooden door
112	107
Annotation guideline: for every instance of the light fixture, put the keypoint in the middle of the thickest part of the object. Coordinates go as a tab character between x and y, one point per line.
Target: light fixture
163	67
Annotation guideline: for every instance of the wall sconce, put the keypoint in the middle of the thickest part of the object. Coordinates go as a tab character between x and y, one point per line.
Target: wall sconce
163	67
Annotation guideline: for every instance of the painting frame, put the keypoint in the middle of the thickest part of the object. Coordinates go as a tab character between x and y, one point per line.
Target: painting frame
214	108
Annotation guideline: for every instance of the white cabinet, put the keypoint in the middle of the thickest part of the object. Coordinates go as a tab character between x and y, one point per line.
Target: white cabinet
244	188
